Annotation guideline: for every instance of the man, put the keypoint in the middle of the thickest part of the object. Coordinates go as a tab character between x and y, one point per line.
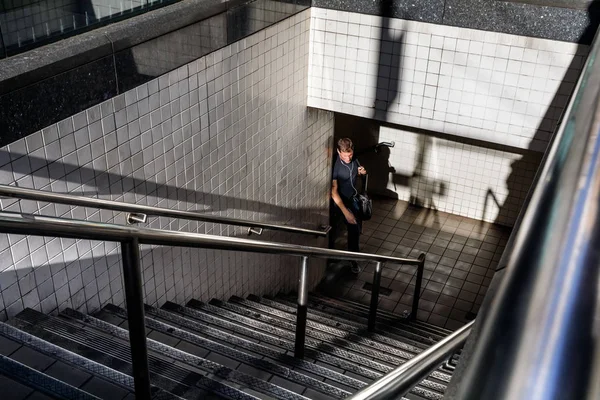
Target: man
343	189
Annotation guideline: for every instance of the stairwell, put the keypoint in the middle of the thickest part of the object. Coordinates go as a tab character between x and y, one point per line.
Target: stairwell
236	349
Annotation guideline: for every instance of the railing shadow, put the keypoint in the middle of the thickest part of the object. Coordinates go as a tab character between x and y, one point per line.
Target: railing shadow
90	181
543	133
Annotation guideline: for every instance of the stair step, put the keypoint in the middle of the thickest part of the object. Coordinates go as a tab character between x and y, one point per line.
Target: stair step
341	358
385	323
74	368
41	382
114	352
288	313
356	343
218	370
402	340
388	320
385	315
271	328
227	349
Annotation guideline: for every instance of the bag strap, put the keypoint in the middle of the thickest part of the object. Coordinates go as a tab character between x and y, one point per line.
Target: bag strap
366	178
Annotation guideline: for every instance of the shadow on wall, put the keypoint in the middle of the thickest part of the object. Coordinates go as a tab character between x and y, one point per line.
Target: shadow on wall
94	182
565	90
366	134
87	275
81	273
423	186
389	65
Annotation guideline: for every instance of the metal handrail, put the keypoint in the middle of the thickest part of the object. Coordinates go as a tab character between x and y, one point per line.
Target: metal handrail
398	382
62	198
539	337
31	224
131	238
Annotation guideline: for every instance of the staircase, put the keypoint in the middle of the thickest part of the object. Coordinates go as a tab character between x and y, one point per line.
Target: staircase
239	349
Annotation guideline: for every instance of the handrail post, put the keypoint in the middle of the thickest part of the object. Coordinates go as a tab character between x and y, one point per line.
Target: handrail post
418	282
132	276
302	309
375	296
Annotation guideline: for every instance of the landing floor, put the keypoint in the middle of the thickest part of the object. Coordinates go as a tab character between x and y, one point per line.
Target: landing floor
462	255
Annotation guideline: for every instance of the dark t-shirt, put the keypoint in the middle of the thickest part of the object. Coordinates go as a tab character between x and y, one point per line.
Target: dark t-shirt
346	174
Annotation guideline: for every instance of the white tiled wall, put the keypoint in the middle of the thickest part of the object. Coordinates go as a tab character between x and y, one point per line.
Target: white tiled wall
229	134
462	179
25	21
488	86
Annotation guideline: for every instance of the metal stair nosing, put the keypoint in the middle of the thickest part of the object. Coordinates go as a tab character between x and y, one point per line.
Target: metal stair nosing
424	387
234	340
40	381
194	316
218	370
24	338
399	327
401	357
278	302
333	336
289	334
119	354
359	349
351	332
347	312
385	320
385	315
76	360
77	355
398	324
248	359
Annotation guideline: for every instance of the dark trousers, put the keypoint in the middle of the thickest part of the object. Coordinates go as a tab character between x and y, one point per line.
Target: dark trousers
353	229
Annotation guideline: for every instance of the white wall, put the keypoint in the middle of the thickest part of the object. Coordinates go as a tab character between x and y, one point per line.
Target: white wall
229	134
461	179
499	88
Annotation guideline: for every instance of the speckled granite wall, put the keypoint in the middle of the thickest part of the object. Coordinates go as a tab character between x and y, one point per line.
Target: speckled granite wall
572	25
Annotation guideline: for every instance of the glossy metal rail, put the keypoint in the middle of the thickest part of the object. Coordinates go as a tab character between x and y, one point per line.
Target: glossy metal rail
539	339
131	237
398	382
139	212
24	224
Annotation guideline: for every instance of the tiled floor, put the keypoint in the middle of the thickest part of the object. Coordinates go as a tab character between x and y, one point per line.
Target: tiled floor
461	257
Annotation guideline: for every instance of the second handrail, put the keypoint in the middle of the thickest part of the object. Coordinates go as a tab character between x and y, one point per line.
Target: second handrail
406	376
20	223
69	199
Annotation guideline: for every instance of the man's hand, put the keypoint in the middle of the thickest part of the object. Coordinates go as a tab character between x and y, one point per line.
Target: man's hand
350	218
362	171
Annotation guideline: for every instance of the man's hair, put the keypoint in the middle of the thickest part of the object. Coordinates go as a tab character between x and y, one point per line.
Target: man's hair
345	145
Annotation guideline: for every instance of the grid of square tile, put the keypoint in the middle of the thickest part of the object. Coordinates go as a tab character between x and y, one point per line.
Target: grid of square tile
257	15
169	51
462	256
489	86
461	179
33	20
228	134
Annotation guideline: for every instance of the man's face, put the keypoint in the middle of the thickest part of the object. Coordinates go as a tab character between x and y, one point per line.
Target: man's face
346	156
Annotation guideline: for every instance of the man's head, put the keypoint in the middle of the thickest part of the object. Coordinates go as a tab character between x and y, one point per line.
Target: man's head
345	149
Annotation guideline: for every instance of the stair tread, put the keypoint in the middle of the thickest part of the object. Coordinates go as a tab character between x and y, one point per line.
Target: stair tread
76	366
116	352
236	349
220	370
34	380
336	356
397	338
233	353
380	312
